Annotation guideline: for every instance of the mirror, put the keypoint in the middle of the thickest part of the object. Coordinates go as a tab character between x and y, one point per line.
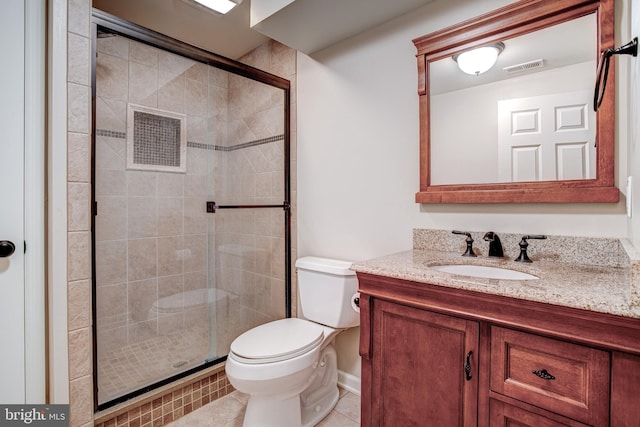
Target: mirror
525	130
507	109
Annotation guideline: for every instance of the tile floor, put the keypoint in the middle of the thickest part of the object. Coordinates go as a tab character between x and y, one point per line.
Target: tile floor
228	412
137	365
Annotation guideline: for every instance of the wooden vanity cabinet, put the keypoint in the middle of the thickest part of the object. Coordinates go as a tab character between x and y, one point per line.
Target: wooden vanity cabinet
529	364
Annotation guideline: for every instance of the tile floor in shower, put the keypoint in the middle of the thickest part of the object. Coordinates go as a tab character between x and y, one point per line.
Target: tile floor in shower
135	366
228	412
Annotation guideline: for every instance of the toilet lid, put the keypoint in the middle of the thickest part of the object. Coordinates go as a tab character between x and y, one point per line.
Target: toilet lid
278	340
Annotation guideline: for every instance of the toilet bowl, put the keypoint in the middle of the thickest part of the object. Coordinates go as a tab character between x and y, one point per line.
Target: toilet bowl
288	367
275	378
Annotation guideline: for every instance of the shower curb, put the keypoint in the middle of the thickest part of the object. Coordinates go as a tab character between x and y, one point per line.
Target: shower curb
167	404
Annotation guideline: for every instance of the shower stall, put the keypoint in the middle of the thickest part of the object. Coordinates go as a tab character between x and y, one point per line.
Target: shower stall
191	215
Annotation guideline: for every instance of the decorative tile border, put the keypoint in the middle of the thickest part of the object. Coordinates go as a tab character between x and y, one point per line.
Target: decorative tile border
193	144
250	143
111	133
168	404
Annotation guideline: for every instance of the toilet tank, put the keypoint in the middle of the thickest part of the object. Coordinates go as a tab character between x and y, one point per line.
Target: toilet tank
326	290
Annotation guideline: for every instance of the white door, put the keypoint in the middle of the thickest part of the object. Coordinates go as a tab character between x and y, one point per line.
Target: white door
545	138
12	329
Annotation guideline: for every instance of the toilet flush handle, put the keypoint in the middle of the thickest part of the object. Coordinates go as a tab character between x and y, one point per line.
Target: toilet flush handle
355	302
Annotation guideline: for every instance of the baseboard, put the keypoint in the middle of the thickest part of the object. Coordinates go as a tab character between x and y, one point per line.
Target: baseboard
349	382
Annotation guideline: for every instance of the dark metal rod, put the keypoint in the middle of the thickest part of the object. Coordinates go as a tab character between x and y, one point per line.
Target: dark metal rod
248	206
94	204
287	202
212	206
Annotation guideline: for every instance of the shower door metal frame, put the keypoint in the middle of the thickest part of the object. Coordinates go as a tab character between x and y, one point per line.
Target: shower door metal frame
113	24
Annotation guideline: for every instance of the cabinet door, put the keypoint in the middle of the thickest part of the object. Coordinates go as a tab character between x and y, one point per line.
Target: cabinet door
418	363
625	390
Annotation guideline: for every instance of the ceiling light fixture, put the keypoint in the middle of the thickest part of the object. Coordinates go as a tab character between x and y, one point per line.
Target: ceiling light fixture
220	6
479	60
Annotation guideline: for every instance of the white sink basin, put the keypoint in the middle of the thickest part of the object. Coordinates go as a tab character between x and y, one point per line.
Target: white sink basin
484	272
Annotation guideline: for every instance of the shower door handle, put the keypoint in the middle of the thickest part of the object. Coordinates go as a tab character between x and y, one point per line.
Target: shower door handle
7	248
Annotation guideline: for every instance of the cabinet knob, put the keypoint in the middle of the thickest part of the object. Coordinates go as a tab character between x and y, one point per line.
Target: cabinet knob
544	374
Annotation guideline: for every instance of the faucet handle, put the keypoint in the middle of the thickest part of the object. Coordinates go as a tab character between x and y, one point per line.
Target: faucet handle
469	240
523	257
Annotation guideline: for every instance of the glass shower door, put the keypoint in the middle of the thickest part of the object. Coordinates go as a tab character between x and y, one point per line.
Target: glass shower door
251	209
173	283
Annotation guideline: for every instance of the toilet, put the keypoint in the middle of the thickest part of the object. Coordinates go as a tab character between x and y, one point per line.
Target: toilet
288	367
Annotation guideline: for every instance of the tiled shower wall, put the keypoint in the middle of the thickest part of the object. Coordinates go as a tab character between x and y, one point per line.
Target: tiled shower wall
78	220
250	242
271	57
151	226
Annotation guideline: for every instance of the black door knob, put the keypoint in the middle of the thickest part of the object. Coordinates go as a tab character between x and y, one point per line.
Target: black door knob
7	248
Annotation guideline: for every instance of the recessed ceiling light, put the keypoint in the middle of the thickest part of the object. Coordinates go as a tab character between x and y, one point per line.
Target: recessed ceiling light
220	6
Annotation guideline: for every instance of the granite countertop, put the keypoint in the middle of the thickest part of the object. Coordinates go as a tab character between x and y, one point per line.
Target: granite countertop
606	289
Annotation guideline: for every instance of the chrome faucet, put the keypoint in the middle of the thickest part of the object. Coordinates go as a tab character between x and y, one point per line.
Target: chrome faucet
495	246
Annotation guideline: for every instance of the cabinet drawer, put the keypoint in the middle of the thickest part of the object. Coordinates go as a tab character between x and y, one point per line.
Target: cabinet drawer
568	379
504	415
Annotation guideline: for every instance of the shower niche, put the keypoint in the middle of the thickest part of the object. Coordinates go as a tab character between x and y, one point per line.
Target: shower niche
176	127
156	139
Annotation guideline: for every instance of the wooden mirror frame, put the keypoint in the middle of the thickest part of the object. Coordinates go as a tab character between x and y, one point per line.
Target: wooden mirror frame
513	20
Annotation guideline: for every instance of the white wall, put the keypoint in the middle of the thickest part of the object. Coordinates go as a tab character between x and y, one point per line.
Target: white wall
358	151
358	154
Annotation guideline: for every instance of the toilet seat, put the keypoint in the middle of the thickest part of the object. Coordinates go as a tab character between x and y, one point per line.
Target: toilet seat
276	341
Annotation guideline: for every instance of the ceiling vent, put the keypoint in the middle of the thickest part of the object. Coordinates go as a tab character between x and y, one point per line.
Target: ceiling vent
525	66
